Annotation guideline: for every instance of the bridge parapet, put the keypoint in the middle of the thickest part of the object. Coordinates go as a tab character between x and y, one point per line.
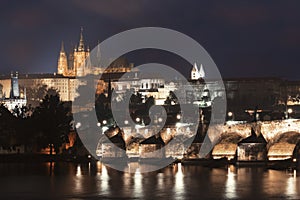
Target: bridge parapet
215	132
271	130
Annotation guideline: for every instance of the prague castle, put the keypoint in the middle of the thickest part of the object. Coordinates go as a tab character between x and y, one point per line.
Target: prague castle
241	93
64	81
77	63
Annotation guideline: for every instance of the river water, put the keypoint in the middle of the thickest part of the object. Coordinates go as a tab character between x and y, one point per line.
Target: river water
95	181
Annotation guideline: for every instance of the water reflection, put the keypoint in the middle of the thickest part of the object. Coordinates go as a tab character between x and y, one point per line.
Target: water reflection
78	170
138	187
291	185
179	183
160	181
78	180
230	186
96	181
104	177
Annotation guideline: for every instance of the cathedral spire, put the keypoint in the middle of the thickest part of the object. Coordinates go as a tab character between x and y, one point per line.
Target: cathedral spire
81	41
201	72
195	68
98	55
195	72
62	64
62	49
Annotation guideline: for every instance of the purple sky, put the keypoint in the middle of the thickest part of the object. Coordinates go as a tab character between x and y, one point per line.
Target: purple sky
244	38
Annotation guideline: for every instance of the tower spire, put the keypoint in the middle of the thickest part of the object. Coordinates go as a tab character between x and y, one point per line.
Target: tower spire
195	72
98	55
62	64
62	49
195	68
81	41
201	72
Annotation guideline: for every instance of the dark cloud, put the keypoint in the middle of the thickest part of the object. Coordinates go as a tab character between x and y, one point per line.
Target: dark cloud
115	9
251	38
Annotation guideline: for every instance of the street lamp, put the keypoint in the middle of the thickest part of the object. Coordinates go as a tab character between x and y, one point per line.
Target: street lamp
230	115
137	119
289	111
160	119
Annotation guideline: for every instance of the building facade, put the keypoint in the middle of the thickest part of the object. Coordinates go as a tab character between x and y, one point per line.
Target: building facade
15	100
242	94
77	65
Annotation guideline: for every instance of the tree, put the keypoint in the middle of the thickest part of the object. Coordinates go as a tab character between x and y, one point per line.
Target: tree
52	120
103	107
136	99
36	94
7	127
150	101
171	99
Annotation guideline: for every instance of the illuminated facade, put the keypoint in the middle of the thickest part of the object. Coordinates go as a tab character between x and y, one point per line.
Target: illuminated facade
37	84
241	94
78	63
196	73
15	100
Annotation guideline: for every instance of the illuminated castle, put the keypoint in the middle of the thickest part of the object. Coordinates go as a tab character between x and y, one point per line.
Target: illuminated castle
77	64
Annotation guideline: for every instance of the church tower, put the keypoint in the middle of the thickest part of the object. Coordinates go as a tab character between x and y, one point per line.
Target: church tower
15	91
196	73
62	65
201	72
79	56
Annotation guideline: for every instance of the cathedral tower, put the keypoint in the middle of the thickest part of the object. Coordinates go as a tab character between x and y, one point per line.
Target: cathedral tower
80	55
197	73
62	65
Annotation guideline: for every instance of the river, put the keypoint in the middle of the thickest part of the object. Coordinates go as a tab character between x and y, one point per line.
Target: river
96	181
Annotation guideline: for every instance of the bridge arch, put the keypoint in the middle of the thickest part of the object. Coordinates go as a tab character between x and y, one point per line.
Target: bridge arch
273	130
228	138
284	146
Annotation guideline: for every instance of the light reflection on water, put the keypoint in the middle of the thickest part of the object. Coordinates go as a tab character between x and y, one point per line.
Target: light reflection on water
95	180
179	183
230	186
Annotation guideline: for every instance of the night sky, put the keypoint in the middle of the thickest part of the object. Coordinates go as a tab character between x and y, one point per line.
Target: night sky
245	39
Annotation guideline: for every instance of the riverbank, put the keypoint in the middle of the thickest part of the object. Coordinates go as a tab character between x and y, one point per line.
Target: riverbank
17	158
36	158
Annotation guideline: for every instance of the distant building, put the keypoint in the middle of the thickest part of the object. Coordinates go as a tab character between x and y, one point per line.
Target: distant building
76	65
252	148
15	100
242	94
79	64
196	73
36	85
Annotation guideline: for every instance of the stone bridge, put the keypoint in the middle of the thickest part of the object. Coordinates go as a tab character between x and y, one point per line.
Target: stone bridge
272	131
282	137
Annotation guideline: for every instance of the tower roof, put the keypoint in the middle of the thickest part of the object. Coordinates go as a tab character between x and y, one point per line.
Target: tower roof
195	68
62	49
81	41
201	72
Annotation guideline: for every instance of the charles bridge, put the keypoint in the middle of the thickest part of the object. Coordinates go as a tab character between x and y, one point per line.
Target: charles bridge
282	137
256	141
